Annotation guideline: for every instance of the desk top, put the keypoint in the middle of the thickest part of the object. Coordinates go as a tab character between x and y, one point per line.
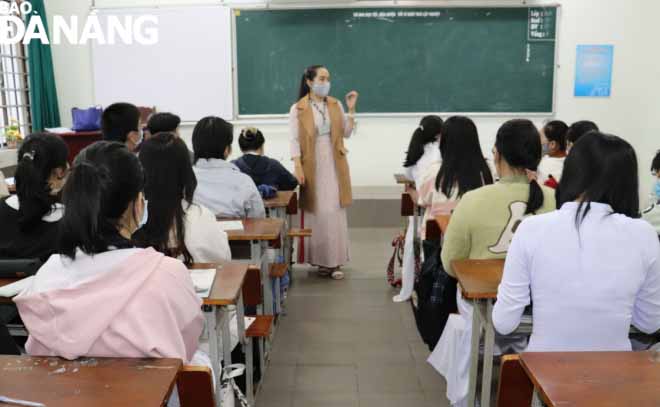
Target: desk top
402	179
227	283
479	279
257	229
443	222
98	382
281	200
80	134
595	379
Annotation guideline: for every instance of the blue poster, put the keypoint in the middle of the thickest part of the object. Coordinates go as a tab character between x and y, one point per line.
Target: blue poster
593	70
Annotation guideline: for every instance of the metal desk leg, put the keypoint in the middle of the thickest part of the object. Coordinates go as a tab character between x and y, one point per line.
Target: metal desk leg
240	319
474	353
249	378
489	342
259	257
226	336
211	327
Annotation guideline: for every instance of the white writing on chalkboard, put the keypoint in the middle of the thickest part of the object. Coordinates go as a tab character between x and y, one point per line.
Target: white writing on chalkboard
541	24
395	14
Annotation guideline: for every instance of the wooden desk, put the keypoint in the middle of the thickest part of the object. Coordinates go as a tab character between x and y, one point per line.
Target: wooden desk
478	280
595	379
98	382
283	199
228	282
257	229
403	180
76	141
436	228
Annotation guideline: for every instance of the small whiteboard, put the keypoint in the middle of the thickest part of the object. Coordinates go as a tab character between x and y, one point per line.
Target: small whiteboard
188	72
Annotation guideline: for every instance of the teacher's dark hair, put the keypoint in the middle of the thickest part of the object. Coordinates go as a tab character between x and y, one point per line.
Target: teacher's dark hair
463	163
427	132
555	130
104	180
170	181
211	137
309	74
519	144
39	155
601	168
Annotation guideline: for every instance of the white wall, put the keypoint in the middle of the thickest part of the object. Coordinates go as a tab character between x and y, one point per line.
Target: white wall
378	148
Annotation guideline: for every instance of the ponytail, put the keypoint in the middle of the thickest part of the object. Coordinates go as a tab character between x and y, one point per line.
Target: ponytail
535	200
308	74
427	132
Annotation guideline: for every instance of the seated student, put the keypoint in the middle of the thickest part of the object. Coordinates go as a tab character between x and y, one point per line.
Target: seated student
163	123
423	151
608	274
29	218
577	130
222	187
176	226
120	122
262	170
652	213
553	140
481	227
142	303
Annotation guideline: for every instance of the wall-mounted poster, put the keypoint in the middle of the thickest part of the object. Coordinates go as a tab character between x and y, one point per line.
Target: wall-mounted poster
593	70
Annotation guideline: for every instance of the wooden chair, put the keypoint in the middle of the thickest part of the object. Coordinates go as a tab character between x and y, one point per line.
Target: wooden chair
277	271
195	386
407	205
514	389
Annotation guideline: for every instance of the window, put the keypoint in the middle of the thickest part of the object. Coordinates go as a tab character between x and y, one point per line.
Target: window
14	86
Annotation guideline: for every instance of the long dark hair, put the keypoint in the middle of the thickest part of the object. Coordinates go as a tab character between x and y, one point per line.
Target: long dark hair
39	155
427	132
463	163
170	180
555	130
211	137
601	168
309	73
519	144
104	180
579	129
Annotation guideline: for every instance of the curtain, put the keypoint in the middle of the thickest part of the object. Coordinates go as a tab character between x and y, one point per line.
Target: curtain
43	93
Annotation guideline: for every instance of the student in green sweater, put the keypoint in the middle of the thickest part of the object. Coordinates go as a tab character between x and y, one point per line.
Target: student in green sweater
481	227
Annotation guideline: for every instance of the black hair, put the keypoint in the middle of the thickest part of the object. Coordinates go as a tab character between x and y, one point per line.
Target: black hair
251	139
118	120
427	132
518	142
655	164
169	181
579	129
106	177
39	155
160	122
555	130
463	162
309	74
601	168
211	137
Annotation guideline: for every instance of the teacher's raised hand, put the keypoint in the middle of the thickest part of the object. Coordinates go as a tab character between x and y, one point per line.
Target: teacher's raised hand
351	100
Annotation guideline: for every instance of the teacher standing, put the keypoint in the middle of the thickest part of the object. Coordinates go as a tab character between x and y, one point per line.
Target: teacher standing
318	126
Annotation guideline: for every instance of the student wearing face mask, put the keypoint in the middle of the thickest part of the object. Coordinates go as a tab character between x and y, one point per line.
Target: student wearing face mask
29	219
553	142
318	126
120	122
652	213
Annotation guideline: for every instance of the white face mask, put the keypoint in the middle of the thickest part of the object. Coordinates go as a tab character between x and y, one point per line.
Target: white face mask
321	89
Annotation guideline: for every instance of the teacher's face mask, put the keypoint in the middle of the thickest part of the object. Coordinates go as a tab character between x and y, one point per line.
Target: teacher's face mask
321	89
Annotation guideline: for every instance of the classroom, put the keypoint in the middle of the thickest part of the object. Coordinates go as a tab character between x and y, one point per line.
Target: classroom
284	203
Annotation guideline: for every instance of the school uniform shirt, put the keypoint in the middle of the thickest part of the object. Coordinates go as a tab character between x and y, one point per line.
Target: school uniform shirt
606	278
434	200
226	191
205	240
550	166
40	242
266	171
652	216
431	156
143	305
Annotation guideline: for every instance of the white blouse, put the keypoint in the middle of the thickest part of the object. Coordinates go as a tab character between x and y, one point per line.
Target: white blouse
321	130
587	285
205	240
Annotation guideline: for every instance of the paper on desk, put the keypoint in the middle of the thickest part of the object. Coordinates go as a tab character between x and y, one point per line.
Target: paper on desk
230	225
10	181
203	281
16	288
59	130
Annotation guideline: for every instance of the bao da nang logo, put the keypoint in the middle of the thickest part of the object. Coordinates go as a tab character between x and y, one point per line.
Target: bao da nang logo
20	23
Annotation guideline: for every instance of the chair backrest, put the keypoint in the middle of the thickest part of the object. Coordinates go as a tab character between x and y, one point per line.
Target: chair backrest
19	268
195	386
407	205
252	295
514	389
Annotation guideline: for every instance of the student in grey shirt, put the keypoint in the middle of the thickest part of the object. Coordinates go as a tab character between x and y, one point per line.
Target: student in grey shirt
222	187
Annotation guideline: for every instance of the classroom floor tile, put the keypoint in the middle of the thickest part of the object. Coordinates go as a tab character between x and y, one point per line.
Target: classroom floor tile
346	344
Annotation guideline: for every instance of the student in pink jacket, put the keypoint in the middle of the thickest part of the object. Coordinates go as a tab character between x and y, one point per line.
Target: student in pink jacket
101	296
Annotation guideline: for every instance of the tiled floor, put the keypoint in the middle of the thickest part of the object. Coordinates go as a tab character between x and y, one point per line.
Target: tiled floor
346	344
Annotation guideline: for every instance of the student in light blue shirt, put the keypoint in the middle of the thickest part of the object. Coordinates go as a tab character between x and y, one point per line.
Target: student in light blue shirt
222	187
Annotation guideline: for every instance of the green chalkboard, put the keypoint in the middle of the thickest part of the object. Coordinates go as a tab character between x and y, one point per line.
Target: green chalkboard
401	60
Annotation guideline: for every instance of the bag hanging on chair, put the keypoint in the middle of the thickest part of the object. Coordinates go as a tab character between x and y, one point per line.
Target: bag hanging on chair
229	391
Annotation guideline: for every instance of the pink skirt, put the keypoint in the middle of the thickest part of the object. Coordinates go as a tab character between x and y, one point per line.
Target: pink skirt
328	245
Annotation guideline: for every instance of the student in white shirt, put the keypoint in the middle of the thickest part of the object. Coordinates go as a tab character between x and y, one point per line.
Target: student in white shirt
222	187
423	150
553	142
592	268
176	226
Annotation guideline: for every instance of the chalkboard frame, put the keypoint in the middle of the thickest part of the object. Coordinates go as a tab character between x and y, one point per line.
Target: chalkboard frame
276	117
